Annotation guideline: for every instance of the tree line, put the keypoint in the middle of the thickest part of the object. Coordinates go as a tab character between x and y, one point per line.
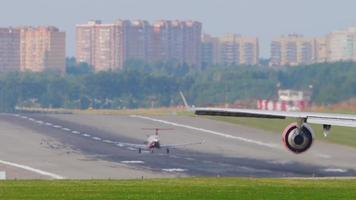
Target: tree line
158	84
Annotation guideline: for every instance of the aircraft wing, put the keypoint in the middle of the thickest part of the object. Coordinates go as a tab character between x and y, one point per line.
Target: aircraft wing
309	117
180	145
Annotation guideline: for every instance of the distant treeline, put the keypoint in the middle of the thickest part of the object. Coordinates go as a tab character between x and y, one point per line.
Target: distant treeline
141	85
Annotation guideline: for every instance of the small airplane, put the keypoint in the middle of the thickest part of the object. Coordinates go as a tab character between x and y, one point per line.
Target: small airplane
153	142
297	137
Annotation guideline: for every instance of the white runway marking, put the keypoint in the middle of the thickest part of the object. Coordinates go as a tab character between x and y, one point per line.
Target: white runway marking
96	138
38	171
24	117
260	143
48	124
39	122
76	132
31	119
191	159
108	141
66	129
175	170
57	126
86	135
120	145
335	170
133	162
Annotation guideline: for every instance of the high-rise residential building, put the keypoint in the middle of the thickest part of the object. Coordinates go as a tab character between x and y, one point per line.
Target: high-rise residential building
109	46
101	45
137	38
42	48
9	49
321	50
249	48
209	50
160	41
235	49
292	50
178	41
342	45
229	50
192	31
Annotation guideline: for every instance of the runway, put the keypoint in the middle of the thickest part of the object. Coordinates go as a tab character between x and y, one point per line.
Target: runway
94	146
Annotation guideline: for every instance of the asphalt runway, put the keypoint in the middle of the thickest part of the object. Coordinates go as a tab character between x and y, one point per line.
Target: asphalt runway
95	146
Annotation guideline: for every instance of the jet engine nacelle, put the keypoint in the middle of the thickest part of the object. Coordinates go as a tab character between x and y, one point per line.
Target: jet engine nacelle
298	140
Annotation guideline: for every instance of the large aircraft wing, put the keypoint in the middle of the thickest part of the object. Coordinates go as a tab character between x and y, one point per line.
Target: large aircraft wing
309	117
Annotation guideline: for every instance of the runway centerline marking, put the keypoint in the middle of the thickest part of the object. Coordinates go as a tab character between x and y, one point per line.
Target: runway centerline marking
175	170
133	162
76	132
66	129
256	142
335	170
28	168
96	138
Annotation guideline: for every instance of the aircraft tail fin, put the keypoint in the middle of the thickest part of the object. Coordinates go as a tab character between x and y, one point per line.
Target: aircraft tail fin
186	105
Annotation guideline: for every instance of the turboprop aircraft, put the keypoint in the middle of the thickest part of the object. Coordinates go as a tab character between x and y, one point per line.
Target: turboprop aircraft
298	136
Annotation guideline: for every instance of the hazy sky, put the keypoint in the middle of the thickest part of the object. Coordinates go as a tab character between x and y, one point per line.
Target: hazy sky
263	18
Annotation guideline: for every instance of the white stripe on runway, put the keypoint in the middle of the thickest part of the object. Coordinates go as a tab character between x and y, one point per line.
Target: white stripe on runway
175	170
260	143
38	171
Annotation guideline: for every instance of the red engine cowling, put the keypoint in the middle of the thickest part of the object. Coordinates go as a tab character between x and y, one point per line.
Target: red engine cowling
298	140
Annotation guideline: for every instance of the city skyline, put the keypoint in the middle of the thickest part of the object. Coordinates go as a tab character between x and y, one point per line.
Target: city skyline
254	18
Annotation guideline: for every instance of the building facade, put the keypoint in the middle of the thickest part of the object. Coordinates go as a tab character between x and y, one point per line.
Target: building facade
321	50
9	50
209	50
292	50
137	40
178	41
109	46
230	49
42	48
342	45
101	45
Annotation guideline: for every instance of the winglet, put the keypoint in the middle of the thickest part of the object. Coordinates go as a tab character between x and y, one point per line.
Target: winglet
185	101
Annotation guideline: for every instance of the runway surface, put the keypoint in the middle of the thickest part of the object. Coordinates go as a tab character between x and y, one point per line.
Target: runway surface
95	146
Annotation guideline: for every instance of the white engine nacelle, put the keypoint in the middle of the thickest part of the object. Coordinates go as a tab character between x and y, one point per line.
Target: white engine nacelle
298	140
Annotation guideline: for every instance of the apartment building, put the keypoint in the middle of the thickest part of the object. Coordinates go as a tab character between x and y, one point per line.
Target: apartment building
341	45
175	40
292	50
321	50
192	31
9	50
209	50
109	46
42	48
137	40
101	45
230	49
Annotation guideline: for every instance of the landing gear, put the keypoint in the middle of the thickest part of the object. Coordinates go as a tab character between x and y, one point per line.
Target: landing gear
167	151
139	150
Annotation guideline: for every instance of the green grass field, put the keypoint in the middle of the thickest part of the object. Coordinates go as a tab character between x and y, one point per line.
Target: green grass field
191	188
